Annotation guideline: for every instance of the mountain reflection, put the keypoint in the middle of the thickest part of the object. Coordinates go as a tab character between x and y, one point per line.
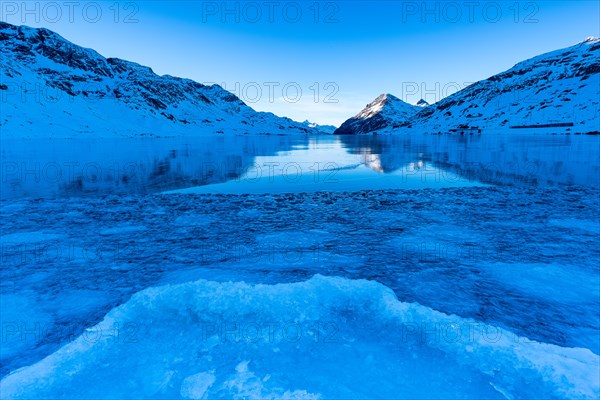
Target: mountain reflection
492	159
63	168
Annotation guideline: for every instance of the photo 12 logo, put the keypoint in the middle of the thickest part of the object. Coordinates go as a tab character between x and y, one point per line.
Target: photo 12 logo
272	332
253	12
52	12
36	332
288	92
431	92
469	11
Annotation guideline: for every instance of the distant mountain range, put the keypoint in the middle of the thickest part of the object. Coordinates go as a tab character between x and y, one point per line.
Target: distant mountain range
556	90
320	128
51	87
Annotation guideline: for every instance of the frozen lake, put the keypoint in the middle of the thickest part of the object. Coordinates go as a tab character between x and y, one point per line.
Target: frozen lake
231	266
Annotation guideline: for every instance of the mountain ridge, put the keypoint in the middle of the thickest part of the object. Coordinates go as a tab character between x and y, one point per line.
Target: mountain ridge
561	87
53	87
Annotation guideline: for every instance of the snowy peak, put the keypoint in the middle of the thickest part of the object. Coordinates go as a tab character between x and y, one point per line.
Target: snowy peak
386	110
385	104
72	90
422	103
374	107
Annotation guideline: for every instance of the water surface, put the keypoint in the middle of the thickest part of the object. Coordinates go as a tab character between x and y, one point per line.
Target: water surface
280	164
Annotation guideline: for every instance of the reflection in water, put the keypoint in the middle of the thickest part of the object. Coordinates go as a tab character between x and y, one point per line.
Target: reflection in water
57	168
373	161
51	168
495	159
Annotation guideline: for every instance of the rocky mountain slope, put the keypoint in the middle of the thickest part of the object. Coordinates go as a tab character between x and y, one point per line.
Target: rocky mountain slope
386	110
556	91
51	87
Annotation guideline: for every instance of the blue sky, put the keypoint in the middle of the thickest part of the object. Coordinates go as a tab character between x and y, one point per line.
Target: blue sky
321	61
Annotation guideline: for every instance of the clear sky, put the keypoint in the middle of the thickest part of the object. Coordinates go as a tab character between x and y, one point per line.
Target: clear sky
321	61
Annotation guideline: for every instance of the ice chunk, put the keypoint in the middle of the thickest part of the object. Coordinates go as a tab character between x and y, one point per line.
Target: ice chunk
293	340
195	386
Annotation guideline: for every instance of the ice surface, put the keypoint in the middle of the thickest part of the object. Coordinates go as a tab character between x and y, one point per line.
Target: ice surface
122	229
453	250
558	283
518	255
17	309
29	237
387	349
589	226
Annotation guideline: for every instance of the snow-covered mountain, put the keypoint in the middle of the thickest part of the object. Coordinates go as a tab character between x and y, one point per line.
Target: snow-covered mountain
385	111
557	88
320	128
51	87
560	87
